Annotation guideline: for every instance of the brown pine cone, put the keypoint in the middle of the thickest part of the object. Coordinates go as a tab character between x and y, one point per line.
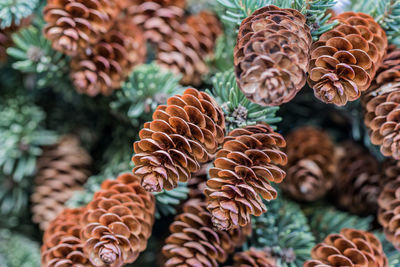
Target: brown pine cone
311	164
102	67
272	55
345	59
74	24
389	212
357	182
186	50
184	133
382	106
253	258
244	168
62	245
194	241
349	248
117	222
5	42
61	170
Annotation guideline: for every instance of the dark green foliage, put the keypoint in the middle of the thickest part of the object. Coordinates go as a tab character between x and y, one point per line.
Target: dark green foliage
387	14
239	111
13	11
167	201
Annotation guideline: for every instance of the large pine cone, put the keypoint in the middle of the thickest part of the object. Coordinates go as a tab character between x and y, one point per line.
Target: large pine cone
61	170
186	50
117	222
345	59
253	258
74	24
244	168
184	133
272	55
382	106
349	248
389	212
102	67
357	182
311	164
62	245
194	241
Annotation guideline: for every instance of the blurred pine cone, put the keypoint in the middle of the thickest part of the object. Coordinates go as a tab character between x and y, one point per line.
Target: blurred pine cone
382	106
62	245
245	167
311	164
253	258
184	133
389	212
5	42
349	248
61	170
194	241
186	50
74	24
272	55
344	60
357	181
117	222
101	68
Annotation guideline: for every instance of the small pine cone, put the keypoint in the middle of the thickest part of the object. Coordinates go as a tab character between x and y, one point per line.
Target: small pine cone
344	60
72	25
194	241
357	182
102	67
61	170
311	164
272	55
253	258
389	212
184	133
62	245
382	107
117	222
244	168
349	248
186	50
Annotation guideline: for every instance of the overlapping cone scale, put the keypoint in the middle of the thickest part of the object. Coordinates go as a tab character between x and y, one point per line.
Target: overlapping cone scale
253	258
184	133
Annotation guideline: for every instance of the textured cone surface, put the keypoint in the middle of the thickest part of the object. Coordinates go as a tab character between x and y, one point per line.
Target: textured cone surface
272	55
382	106
357	183
103	66
311	164
118	222
194	241
74	24
184	133
62	245
253	258
186	50
344	60
349	248
244	169
389	212
61	170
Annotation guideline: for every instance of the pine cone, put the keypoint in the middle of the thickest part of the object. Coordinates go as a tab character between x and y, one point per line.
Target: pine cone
357	182
244	168
349	248
253	258
117	222
186	50
345	59
61	170
311	164
382	106
194	242
184	133
61	243
389	212
102	67
5	42
272	55
74	24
